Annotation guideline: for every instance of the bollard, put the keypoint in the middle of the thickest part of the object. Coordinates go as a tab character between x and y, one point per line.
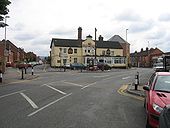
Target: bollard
138	77
22	74
136	81
32	71
0	76
25	70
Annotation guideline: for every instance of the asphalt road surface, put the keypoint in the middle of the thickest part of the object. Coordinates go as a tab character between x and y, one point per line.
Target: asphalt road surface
73	99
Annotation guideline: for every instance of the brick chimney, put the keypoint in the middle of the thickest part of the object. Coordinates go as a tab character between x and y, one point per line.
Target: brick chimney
100	38
79	33
147	49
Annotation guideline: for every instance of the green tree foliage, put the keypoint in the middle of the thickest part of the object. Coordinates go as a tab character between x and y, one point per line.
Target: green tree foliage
3	8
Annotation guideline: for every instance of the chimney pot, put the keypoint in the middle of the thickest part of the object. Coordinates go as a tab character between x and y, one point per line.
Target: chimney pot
79	33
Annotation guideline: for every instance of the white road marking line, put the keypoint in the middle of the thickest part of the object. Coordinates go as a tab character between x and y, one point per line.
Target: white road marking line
88	85
113	77
56	89
33	113
29	100
102	76
126	78
73	84
11	94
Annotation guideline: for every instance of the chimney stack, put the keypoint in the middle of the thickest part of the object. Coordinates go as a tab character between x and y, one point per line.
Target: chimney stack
79	33
100	38
147	48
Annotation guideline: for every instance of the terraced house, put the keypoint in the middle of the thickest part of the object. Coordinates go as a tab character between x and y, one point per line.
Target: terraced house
67	51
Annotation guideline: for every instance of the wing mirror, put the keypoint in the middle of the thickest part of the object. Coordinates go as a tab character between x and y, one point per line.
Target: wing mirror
146	87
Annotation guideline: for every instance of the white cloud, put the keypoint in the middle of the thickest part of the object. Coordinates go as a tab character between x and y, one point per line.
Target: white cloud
164	17
38	21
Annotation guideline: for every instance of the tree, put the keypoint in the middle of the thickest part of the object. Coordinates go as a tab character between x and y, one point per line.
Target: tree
3	8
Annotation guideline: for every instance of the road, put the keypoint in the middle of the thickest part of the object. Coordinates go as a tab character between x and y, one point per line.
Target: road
73	99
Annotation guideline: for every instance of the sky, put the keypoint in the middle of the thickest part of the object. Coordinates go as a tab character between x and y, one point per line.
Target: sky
33	23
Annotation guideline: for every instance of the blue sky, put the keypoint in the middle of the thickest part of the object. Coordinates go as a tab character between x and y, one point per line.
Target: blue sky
33	23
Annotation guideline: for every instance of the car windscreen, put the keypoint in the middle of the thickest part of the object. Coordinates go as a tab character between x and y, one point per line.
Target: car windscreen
162	84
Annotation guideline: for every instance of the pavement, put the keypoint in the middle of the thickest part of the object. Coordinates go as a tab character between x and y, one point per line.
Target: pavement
139	92
14	75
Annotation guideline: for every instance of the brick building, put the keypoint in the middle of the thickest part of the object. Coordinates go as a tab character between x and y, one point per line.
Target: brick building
145	58
14	54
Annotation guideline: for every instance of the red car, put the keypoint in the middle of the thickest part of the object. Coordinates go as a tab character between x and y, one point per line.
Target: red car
157	97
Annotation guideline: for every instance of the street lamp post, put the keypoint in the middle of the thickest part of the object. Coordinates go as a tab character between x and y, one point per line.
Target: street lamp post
5	50
126	34
127	57
95	56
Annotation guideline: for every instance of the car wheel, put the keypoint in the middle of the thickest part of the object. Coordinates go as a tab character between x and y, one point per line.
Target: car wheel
147	123
144	104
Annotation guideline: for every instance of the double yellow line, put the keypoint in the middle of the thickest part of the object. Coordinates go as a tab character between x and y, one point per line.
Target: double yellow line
122	91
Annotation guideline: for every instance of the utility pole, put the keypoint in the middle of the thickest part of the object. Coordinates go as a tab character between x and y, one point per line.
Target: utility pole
5	50
126	34
127	56
95	43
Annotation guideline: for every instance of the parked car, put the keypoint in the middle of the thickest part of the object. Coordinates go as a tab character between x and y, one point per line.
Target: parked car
157	97
8	64
158	67
164	119
22	65
76	66
103	66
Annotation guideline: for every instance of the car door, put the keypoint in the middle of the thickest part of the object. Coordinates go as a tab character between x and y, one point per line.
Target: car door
150	83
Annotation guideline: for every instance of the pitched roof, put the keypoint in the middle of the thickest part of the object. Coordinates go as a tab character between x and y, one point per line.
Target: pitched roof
77	43
66	42
117	38
108	44
144	53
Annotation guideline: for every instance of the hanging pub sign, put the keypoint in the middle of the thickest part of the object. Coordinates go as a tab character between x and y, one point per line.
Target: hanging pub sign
70	51
108	51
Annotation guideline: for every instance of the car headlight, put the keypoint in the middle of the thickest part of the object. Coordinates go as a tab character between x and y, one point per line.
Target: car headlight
157	108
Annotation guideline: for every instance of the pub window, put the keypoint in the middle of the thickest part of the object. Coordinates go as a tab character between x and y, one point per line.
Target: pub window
103	52
75	50
112	53
58	61
64	61
75	60
65	50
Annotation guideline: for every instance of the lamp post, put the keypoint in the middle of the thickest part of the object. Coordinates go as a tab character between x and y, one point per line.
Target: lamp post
5	50
126	34
127	57
95	60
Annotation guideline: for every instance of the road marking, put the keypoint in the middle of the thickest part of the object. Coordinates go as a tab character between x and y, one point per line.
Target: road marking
72	83
122	89
113	77
11	94
56	89
124	78
88	85
102	76
29	100
33	113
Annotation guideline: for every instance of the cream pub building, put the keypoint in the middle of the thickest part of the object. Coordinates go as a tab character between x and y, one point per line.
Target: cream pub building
67	51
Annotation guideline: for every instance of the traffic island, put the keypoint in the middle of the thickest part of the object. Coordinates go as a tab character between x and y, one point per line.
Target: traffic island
13	75
139	92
